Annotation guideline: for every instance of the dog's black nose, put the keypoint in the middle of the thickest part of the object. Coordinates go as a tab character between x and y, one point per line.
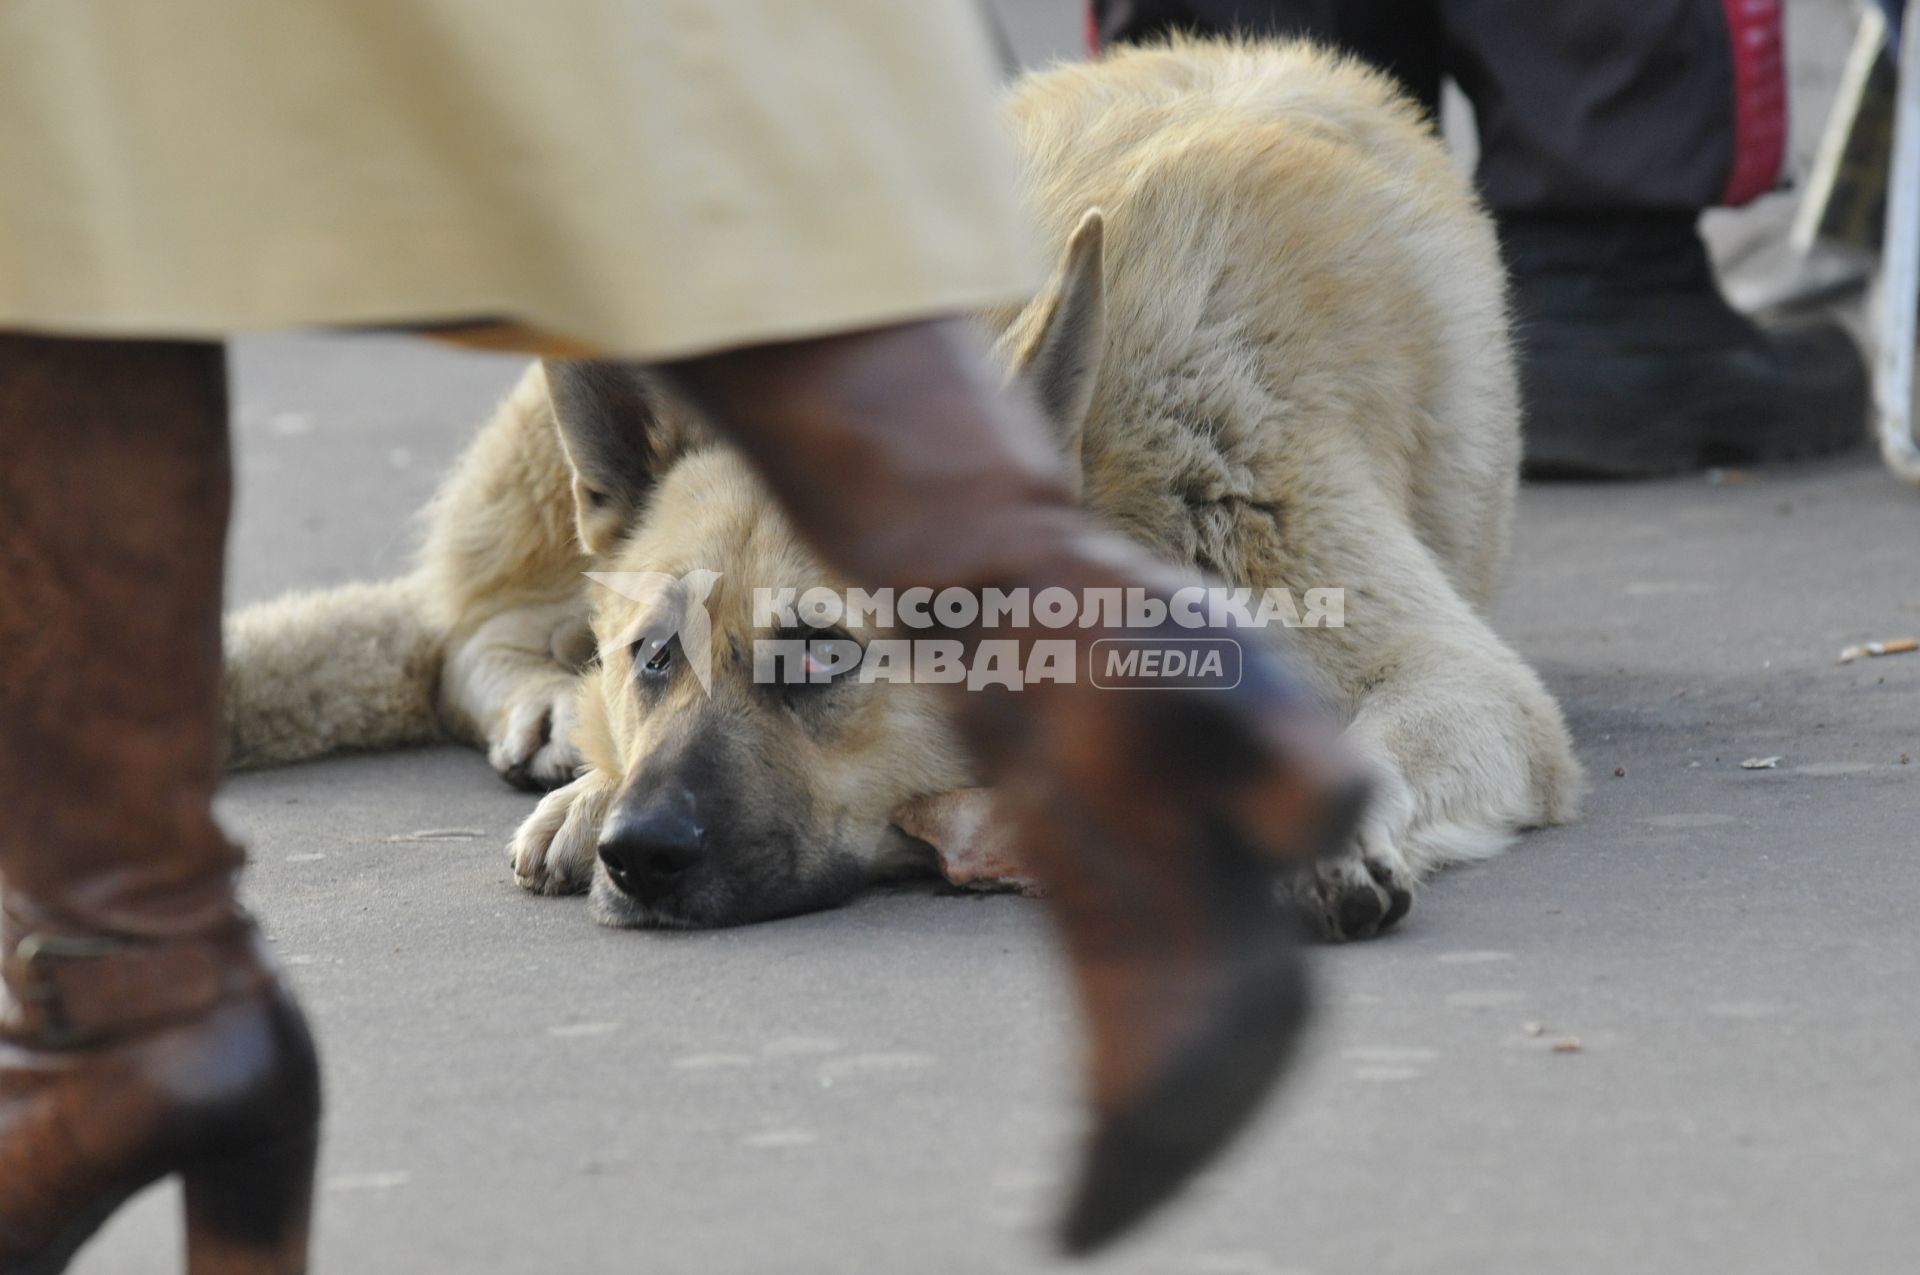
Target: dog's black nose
648	849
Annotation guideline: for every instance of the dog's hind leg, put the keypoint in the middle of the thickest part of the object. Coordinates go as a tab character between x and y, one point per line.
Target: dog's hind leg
1468	746
511	686
503	565
1469	749
485	641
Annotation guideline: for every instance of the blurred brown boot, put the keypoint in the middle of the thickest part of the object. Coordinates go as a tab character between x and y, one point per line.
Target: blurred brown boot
143	1032
1156	818
1160	820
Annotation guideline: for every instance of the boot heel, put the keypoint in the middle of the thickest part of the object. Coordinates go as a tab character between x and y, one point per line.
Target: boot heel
247	1212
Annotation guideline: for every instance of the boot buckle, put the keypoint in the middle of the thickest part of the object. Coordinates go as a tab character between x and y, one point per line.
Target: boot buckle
37	981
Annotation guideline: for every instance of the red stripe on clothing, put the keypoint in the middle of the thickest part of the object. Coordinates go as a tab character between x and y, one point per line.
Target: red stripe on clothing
1093	30
1759	99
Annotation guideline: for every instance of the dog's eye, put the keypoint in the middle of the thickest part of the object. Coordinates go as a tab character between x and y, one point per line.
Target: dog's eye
829	655
819	661
653	657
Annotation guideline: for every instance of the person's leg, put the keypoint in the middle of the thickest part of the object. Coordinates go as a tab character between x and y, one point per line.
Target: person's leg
1401	36
1156	818
143	1032
1606	127
1592	105
1582	105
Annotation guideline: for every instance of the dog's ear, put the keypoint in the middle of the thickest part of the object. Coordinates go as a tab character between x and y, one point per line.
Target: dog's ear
609	416
1059	340
972	840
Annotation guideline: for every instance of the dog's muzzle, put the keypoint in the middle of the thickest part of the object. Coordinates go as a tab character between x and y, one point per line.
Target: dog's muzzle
650	849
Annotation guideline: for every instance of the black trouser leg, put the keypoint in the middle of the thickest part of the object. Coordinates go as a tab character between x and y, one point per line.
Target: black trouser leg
1583	105
1606	126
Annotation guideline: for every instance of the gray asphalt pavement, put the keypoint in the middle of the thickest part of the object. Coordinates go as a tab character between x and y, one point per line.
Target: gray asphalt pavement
1678	1036
887	1087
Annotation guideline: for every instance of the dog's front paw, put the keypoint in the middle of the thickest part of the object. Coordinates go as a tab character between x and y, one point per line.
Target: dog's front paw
1353	896
531	744
1366	888
554	850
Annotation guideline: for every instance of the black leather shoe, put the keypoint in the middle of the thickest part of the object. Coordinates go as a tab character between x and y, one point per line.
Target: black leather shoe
1633	365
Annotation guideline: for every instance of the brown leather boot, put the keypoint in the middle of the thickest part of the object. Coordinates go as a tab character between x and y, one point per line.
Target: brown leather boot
1156	818
143	1032
1160	819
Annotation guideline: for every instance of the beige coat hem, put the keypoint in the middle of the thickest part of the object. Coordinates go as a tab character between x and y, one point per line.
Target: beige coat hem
653	179
535	330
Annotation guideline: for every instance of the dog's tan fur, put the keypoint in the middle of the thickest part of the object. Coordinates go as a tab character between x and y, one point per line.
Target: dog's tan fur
1280	353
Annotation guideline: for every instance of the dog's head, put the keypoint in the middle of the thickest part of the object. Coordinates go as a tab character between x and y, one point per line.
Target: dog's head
744	794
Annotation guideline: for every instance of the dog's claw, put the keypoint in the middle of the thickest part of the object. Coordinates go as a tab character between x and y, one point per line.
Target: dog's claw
534	745
552	851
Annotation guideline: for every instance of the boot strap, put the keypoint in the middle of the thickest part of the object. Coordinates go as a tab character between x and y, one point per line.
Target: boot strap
75	990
